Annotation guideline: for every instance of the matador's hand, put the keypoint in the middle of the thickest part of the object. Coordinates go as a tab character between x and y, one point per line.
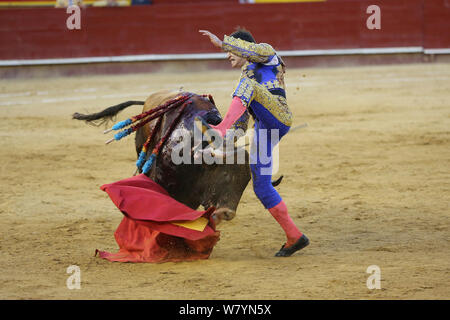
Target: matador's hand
214	39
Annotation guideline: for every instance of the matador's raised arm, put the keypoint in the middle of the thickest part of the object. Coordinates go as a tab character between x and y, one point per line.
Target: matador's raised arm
253	52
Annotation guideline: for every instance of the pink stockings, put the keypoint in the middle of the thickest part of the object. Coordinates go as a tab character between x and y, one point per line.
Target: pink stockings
235	111
281	215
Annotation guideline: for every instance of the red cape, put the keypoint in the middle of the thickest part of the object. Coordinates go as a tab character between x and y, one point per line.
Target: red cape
147	232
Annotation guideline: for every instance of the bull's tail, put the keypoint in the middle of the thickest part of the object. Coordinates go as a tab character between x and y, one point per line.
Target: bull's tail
105	115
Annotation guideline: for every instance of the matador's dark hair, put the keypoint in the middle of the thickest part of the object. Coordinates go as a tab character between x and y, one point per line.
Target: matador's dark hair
243	34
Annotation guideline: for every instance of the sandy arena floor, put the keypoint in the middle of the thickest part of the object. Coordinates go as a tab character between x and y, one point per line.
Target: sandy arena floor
367	180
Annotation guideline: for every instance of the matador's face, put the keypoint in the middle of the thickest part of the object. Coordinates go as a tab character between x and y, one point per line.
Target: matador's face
236	61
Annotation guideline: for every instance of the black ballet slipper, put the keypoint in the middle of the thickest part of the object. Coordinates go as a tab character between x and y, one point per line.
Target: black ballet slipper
302	242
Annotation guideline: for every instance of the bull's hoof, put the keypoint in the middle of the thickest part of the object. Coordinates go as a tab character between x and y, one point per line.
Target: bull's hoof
300	244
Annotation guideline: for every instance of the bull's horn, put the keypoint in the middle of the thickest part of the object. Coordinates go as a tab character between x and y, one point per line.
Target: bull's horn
234	151
219	152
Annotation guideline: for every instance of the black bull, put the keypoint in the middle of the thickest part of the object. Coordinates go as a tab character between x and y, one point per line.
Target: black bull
217	185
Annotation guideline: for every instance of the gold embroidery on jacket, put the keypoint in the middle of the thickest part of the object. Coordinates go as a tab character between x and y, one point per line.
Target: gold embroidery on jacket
254	52
242	122
249	90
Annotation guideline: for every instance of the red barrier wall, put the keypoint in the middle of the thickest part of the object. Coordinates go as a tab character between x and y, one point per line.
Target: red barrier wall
437	24
163	28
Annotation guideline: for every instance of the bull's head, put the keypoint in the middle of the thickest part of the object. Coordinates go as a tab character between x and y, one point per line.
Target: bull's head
223	184
219	184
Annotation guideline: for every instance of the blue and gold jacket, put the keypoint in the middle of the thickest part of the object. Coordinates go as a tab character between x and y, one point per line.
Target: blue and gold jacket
264	65
266	68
